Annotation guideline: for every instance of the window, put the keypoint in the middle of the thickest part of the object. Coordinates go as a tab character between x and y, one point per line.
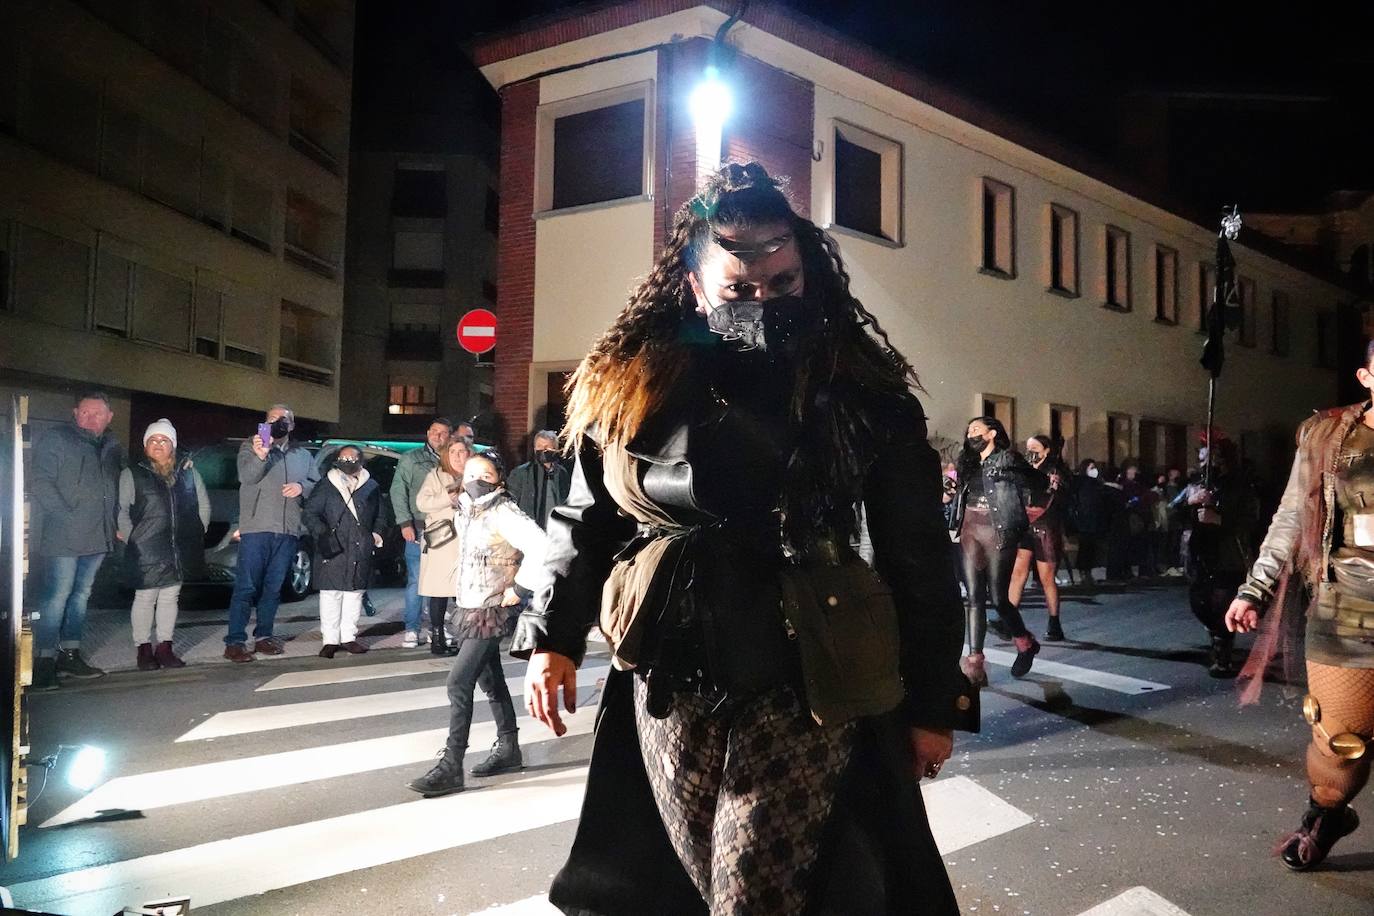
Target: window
411	341
407	396
1206	292
318	130
1003	409
247	323
114	281
63	118
1117	269
1118	439
420	193
235	71
119	147
209	310
491	217
1064	432
594	148
161	308
868	183
170	170
1166	285
51	274
214	193
999	234
1326	340
313	235
1279	332
306	344
1063	250
1248	319
251	213
1163	445
417	260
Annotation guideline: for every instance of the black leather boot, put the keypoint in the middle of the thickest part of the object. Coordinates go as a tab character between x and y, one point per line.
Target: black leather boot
505	755
440	644
1223	665
445	778
1054	632
1307	846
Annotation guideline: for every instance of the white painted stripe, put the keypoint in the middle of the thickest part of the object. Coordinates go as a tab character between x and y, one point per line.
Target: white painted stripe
256	863
962	813
479	330
295	715
1138	901
1115	682
533	906
164	788
324	677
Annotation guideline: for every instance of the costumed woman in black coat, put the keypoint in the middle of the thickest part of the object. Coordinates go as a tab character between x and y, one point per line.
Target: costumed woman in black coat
708	533
344	516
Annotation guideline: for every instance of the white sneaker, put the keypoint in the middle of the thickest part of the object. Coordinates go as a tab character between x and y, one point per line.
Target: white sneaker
411	640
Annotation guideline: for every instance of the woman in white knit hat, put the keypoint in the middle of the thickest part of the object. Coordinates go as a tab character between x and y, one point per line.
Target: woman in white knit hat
163	511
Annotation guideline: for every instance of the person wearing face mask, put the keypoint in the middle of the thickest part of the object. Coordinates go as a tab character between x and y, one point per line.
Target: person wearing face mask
412	471
995	490
438	497
163	511
500	564
275	479
538	485
344	516
728	428
1091	508
1043	541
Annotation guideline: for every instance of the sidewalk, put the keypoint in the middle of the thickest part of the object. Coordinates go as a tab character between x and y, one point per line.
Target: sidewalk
199	639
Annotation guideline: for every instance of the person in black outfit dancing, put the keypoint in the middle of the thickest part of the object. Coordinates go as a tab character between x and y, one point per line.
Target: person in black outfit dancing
995	488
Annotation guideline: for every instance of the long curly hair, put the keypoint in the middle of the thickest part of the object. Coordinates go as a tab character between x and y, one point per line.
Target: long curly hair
636	365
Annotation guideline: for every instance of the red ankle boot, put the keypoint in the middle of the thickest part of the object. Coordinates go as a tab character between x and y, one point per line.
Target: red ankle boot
166	657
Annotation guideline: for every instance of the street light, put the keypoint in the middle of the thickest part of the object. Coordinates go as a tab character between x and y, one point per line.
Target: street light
711	103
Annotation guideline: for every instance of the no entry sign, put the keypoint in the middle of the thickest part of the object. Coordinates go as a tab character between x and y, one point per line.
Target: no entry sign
477	331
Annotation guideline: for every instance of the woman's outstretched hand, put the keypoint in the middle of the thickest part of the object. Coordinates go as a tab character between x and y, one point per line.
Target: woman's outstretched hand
547	672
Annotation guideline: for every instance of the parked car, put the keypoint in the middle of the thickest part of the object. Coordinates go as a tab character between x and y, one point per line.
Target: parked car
218	466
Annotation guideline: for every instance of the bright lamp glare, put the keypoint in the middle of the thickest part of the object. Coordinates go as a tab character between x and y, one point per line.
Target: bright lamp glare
86	768
711	101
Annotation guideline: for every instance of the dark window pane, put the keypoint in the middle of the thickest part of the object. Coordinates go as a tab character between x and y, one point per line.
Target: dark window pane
599	155
989	228
419	193
1056	251
858	187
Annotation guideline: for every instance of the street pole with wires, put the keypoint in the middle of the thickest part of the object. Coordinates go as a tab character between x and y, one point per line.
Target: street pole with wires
1224	313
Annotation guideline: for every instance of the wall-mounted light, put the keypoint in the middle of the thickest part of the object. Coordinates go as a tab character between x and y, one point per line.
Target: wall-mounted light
712	101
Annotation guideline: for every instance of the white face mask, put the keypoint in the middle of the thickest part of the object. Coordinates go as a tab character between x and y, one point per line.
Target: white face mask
1092	472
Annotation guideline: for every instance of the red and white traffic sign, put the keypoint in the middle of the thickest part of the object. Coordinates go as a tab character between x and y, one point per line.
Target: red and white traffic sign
477	331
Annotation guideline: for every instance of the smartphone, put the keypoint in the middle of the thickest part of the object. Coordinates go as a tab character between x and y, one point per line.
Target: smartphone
265	434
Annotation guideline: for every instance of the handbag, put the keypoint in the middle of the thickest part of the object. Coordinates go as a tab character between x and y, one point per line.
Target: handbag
440	533
845	624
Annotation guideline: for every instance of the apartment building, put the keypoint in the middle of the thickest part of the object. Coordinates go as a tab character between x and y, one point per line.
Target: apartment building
1020	279
173	204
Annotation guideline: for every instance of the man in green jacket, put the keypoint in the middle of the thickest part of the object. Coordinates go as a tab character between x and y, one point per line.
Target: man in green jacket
411	471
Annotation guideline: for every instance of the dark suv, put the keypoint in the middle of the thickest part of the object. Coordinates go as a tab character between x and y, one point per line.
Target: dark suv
218	467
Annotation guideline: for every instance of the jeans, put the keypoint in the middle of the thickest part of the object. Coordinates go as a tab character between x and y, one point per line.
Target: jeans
478	663
66	588
414	605
264	559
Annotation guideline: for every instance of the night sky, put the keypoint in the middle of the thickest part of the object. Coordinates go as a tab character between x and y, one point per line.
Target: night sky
1271	109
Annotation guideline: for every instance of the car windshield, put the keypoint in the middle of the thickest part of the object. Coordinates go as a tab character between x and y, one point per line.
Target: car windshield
218	466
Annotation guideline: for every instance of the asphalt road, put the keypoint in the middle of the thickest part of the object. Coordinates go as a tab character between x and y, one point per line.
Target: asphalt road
1117	778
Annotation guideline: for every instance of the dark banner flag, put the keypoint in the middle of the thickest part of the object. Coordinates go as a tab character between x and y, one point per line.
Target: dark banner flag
1225	310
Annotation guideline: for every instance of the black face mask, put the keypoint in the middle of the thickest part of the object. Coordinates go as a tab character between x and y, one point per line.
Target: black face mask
772	325
280	427
976	444
349	466
479	488
546	456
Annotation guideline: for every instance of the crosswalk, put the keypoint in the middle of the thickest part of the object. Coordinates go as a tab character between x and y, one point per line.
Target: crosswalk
963	813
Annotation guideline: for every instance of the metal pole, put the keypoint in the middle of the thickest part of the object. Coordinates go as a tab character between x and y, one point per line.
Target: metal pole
1211	416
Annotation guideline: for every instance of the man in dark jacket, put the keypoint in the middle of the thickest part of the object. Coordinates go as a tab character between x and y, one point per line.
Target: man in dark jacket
542	482
275	478
410	475
75	488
